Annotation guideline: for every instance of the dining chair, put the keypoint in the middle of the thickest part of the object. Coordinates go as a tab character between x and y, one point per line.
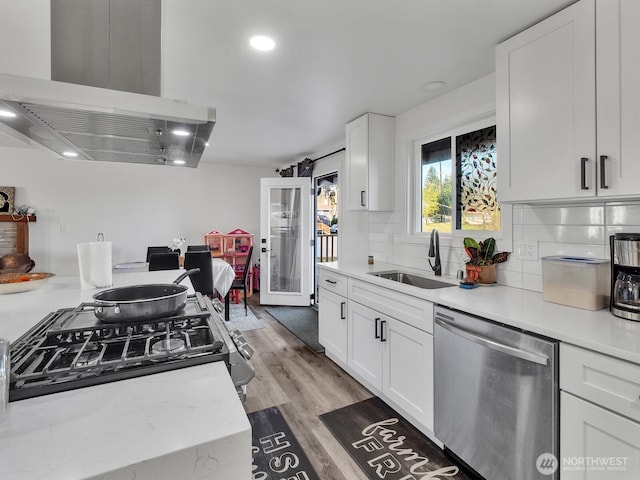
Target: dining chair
198	248
151	250
240	283
202	282
164	261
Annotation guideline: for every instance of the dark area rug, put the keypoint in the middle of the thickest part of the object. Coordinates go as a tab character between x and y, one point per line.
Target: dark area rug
275	450
386	446
301	321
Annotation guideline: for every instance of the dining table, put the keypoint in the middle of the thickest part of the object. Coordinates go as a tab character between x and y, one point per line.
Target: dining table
221	271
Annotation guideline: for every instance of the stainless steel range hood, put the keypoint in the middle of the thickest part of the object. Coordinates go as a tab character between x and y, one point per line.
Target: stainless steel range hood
102	124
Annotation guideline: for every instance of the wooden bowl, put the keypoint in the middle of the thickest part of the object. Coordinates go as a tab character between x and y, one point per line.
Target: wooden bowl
22	282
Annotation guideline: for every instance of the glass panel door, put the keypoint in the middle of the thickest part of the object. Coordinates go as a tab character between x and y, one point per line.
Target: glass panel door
285	241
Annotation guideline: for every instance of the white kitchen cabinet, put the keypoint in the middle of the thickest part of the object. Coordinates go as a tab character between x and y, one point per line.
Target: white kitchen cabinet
365	346
332	325
545	108
589	433
370	141
599	415
407	370
394	358
618	96
567	103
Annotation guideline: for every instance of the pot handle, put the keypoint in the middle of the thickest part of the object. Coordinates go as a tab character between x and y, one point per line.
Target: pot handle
193	271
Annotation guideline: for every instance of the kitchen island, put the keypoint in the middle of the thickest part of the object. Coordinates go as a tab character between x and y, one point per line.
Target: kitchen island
187	423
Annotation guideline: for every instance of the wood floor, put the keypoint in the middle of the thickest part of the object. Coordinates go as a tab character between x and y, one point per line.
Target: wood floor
303	385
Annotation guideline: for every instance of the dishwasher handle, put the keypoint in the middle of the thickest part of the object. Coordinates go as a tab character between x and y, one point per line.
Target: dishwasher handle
492	344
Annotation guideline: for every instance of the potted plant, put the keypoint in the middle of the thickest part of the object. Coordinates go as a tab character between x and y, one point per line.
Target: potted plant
481	266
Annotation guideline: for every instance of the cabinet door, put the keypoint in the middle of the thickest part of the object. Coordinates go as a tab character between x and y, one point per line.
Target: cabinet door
591	433
365	350
407	371
545	108
357	166
332	324
618	73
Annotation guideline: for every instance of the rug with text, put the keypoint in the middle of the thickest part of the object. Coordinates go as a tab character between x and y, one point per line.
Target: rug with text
386	446
276	452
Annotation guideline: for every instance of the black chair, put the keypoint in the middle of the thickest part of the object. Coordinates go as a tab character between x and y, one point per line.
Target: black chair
202	282
198	248
164	261
241	283
151	250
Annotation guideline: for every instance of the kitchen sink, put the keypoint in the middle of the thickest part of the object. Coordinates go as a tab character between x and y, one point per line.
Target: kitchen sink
411	279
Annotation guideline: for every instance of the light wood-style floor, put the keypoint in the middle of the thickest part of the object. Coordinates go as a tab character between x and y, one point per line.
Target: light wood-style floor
303	385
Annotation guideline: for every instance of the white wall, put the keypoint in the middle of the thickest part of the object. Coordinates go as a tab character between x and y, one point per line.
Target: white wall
133	205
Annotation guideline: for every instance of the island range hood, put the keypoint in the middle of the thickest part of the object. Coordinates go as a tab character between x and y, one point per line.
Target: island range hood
92	123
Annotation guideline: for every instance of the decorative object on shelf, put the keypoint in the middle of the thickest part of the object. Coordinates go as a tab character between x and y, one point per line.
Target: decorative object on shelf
482	259
7	195
24	210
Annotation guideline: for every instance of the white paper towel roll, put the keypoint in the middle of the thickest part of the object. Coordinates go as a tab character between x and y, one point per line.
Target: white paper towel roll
94	261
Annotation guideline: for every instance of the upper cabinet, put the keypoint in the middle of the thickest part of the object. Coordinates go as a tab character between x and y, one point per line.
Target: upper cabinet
370	162
553	143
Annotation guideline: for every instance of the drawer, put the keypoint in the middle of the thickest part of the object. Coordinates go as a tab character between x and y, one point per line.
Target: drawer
333	282
408	309
604	380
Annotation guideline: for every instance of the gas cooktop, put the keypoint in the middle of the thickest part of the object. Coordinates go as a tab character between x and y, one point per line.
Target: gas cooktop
71	348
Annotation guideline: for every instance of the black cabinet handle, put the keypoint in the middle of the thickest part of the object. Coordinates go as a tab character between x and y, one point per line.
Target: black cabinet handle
342	314
583	173
362	201
383	323
603	181
332	282
377	326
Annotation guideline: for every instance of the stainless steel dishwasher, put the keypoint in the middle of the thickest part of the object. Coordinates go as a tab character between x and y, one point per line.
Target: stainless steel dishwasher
496	397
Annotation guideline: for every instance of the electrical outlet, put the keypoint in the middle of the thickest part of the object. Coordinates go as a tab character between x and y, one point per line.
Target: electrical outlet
527	251
64	228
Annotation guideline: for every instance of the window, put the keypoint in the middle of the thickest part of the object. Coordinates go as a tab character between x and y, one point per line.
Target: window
458	182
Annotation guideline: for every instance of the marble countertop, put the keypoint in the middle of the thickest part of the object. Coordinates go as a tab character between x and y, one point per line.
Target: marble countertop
596	330
187	423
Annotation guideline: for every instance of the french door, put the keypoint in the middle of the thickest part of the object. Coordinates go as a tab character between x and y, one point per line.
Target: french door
285	245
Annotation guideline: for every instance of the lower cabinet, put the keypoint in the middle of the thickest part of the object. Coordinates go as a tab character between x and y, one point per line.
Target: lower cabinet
394	358
599	416
595	443
332	325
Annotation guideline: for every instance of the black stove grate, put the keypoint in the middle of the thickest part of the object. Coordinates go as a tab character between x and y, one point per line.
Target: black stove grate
71	348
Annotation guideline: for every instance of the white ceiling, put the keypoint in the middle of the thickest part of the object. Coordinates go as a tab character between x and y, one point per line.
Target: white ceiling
334	60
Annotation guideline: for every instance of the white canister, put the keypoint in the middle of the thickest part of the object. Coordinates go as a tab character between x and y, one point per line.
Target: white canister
4	377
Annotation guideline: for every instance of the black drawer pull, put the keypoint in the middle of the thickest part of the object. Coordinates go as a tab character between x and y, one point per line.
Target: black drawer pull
342	313
377	326
383	324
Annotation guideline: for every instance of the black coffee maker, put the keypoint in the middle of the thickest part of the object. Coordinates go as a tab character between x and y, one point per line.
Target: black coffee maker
625	275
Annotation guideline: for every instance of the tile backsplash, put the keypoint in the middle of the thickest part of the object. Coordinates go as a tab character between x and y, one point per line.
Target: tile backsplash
573	229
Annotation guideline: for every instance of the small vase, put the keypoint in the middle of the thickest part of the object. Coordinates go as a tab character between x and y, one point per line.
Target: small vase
487	274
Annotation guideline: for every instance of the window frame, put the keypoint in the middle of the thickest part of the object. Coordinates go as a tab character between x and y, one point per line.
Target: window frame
413	233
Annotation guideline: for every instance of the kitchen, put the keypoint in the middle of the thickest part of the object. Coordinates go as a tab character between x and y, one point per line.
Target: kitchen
556	228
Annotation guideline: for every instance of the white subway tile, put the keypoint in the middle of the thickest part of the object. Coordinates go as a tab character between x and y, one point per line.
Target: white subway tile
532	282
563	233
563	215
623	214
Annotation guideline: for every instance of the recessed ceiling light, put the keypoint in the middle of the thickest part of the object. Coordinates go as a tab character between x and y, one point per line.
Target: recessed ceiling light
436	85
262	43
206	144
7	113
181	133
70	154
179	162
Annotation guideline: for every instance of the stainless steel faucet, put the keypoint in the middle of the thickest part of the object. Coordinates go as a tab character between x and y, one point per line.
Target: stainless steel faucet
434	251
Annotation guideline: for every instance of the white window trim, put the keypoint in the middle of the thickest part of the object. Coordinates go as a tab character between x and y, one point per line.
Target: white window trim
504	238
